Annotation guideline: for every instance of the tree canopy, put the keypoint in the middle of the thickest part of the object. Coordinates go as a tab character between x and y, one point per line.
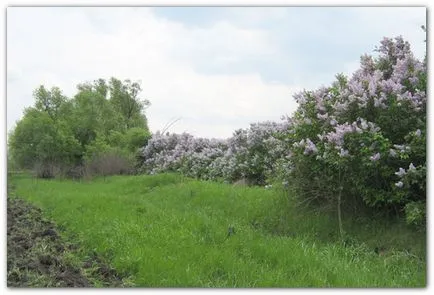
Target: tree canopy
103	116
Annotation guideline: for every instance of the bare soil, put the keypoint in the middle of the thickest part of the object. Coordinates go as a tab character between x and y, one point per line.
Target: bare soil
36	254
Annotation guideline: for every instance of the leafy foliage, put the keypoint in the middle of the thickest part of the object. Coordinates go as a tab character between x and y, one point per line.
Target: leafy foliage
102	118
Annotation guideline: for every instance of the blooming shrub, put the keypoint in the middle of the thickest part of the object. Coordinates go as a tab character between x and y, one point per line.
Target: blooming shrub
250	153
359	135
362	138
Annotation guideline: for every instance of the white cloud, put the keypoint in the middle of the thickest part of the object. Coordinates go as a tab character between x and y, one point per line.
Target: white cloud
66	47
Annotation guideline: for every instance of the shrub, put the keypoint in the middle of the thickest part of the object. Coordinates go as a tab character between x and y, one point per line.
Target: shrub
358	136
45	170
108	164
250	153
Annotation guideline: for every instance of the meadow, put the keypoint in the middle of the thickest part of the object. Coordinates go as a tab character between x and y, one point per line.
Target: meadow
167	230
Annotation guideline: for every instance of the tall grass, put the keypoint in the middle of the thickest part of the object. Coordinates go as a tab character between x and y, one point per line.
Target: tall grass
168	231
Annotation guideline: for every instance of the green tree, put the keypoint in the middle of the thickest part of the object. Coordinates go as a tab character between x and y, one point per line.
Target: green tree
104	120
49	101
124	97
92	115
37	139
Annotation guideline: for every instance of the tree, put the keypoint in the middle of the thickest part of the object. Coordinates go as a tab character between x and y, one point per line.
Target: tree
49	101
101	119
124	98
37	139
91	115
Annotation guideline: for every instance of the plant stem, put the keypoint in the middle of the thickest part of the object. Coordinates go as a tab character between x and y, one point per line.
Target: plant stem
341	230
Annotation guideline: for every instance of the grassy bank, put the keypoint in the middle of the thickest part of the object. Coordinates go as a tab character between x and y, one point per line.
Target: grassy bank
167	231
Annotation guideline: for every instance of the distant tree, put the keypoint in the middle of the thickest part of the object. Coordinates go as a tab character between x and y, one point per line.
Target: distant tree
102	121
124	97
49	101
37	139
92	115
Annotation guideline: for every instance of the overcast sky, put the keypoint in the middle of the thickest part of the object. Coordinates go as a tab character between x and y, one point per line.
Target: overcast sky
218	69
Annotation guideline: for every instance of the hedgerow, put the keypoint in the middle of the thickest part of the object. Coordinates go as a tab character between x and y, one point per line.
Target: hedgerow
358	143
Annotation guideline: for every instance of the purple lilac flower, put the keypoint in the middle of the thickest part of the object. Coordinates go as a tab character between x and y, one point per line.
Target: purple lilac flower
310	147
356	128
375	157
379	102
363	100
404	96
400	147
413	80
337	137
401	172
343	153
367	64
411	167
340	107
373	127
301	143
363	124
300	98
322	117
356	87
372	88
390	86
406	68
418	133
399	184
396	49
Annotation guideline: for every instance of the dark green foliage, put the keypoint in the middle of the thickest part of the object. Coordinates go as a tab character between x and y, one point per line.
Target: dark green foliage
59	135
136	137
124	98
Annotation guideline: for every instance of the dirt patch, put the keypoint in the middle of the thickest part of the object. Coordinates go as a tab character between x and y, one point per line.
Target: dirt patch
36	254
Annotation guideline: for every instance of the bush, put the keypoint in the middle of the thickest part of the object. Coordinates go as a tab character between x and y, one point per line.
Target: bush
108	164
358	136
76	172
45	170
251	153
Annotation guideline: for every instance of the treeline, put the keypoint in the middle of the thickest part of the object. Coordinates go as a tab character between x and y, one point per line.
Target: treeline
98	131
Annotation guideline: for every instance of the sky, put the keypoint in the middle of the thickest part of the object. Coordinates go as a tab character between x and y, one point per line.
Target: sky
214	69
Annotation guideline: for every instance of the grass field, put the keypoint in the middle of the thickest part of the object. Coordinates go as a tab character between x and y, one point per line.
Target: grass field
168	231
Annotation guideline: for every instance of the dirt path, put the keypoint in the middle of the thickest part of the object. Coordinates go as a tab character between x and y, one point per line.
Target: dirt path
36	254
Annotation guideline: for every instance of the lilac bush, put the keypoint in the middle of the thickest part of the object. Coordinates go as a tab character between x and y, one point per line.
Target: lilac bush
362	138
358	135
250	153
175	152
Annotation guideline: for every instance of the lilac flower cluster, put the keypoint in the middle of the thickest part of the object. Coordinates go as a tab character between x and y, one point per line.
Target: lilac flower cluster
251	152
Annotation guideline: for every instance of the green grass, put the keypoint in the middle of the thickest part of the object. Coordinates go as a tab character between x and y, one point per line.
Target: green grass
167	231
